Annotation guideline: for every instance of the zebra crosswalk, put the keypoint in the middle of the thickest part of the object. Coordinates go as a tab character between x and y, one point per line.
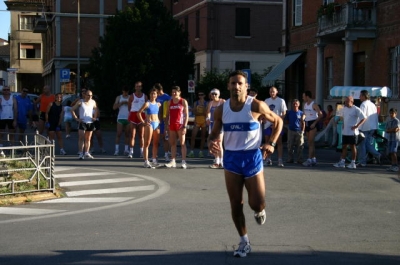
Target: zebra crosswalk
91	187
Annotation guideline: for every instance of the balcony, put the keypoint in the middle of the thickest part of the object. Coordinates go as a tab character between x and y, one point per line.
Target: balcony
40	24
25	5
353	20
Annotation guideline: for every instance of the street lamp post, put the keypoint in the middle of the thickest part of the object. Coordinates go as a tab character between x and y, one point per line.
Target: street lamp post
78	75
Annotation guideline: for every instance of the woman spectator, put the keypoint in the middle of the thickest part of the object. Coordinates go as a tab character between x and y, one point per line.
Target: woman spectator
54	117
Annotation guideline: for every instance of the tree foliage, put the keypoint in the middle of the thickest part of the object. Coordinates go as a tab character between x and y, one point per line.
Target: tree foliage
142	43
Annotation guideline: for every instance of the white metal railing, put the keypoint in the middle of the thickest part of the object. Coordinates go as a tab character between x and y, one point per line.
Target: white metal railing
26	166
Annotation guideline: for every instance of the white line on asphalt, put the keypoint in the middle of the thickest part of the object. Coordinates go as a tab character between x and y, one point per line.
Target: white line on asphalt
75	175
89	200
59	169
27	211
97	181
108	191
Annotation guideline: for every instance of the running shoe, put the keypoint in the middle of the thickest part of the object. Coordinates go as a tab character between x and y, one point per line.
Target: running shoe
167	159
184	165
191	154
2	154
307	163
155	163
280	163
148	165
62	152
260	217
81	156
313	162
116	153
201	155
393	168
88	155
243	249
171	164
130	155
216	166
352	165
340	164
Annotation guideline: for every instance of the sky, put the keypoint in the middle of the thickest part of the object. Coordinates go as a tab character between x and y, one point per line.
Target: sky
4	21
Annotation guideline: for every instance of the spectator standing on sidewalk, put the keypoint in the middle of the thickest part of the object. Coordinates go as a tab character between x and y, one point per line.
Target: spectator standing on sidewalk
163	98
151	128
313	115
200	114
368	128
215	101
121	104
178	117
8	115
392	134
243	160
278	106
68	119
25	107
54	117
44	100
136	101
353	118
295	117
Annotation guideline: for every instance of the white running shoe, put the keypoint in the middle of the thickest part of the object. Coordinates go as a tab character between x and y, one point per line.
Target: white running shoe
81	156
171	164
116	153
260	217
339	164
62	152
352	165
184	165
243	249
88	155
130	155
280	163
2	154
148	165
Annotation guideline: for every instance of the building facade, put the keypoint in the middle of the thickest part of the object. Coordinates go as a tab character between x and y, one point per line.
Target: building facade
61	37
343	43
231	35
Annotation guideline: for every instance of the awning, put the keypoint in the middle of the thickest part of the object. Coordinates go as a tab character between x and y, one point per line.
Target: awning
374	91
279	69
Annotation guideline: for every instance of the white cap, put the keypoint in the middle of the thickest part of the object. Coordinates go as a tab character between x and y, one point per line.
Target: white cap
215	90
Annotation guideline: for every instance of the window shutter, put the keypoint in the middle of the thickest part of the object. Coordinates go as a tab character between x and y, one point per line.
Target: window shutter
298	13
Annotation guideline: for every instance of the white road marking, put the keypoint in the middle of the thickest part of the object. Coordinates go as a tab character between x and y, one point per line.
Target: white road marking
59	169
89	200
27	211
86	174
97	181
108	191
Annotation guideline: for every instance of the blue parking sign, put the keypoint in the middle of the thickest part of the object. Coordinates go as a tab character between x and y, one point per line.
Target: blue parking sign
65	75
248	74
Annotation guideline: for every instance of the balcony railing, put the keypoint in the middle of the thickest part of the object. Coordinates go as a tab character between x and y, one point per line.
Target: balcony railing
353	15
25	5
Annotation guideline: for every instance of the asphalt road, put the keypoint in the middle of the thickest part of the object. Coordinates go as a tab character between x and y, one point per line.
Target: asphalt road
319	215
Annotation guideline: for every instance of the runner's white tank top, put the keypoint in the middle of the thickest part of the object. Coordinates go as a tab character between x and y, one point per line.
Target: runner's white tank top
7	112
241	130
86	112
310	113
123	112
137	102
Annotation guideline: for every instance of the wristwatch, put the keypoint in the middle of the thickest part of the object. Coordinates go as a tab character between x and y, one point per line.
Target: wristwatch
272	144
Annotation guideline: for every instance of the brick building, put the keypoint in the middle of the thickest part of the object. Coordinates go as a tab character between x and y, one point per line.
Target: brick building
343	43
231	34
47	32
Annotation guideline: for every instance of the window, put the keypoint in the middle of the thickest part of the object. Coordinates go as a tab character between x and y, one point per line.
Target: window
197	72
242	22
26	22
298	12
395	70
30	51
197	24
242	65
